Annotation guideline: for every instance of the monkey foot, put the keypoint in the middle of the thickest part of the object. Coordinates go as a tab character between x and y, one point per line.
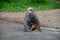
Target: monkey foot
39	30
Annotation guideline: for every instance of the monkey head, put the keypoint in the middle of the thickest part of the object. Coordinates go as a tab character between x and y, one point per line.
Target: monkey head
30	10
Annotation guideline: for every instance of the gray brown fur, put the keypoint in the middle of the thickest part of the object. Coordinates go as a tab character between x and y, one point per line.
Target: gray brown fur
28	23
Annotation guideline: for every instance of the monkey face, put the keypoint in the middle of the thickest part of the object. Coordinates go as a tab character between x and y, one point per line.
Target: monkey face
30	10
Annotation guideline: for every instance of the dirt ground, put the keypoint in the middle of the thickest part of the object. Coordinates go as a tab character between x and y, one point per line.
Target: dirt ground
48	18
15	31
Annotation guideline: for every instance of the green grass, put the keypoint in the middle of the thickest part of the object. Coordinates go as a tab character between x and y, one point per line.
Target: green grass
22	5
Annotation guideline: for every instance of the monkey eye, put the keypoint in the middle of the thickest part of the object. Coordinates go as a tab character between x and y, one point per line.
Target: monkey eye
30	9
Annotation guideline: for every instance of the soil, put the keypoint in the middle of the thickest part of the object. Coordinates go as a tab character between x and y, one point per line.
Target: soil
47	18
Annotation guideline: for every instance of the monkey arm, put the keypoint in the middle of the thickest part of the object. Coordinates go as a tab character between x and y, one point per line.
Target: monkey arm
25	23
38	22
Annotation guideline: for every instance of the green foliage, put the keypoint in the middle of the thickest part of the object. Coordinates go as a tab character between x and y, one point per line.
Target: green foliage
22	5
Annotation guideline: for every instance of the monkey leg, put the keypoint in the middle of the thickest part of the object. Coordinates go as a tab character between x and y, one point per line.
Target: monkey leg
38	27
26	29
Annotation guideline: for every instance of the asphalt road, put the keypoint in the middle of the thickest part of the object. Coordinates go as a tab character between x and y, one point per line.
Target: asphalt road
15	31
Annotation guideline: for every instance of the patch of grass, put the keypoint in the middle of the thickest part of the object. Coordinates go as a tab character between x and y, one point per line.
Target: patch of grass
22	5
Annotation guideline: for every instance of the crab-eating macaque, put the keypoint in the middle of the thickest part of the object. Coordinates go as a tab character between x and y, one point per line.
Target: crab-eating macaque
31	21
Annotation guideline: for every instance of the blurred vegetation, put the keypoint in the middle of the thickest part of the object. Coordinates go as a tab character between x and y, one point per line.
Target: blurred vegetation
22	5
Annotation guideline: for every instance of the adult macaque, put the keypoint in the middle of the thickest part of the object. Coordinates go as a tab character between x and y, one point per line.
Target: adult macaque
31	21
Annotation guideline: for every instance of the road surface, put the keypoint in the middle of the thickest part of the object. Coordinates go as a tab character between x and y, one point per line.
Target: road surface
15	31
